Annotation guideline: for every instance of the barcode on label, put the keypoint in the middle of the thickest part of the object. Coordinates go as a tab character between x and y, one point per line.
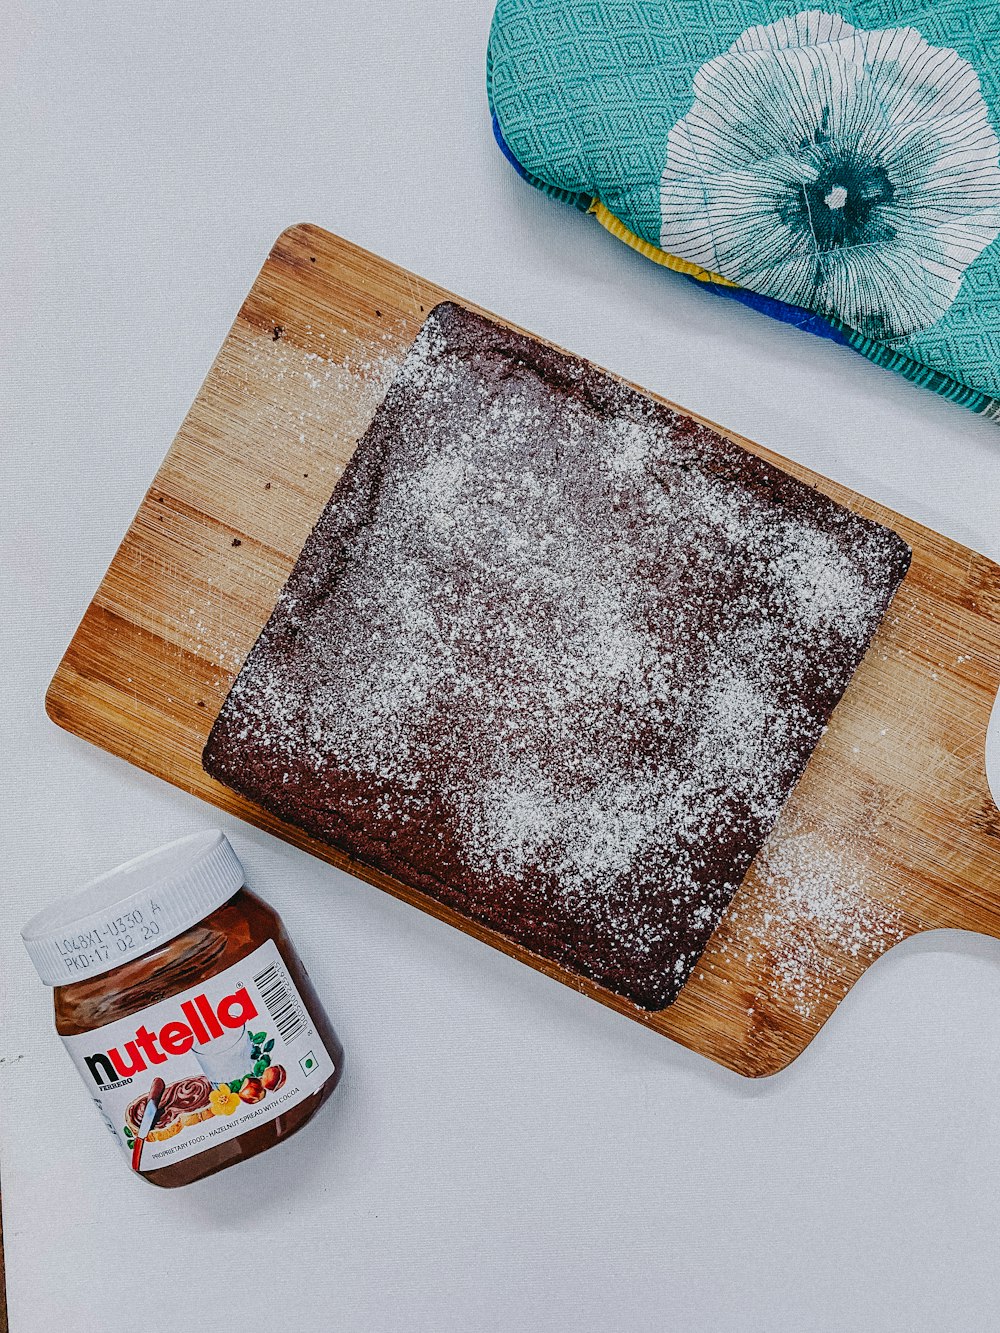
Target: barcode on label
281	1003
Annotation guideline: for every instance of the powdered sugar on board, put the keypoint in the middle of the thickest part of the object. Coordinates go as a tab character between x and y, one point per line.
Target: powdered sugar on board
819	910
302	388
309	396
555	655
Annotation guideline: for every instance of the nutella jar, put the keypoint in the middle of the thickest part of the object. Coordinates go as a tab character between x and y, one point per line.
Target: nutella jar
187	1012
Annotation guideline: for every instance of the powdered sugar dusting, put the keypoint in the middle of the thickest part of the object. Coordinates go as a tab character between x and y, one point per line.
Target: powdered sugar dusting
556	654
822	912
305	409
819	911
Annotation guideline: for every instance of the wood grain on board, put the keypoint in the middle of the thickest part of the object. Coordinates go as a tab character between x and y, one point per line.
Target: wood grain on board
891	830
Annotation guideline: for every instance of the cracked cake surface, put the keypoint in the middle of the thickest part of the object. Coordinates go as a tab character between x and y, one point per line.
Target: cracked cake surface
554	654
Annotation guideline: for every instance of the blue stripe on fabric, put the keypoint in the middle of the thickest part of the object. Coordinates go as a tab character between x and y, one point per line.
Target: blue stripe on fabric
502	142
788	314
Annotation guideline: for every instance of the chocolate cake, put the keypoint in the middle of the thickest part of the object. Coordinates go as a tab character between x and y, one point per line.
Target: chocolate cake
554	655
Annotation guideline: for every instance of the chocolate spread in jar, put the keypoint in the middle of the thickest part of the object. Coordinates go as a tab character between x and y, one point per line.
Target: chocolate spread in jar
177	986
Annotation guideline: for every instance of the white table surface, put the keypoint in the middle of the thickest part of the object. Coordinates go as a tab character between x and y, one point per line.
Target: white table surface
503	1154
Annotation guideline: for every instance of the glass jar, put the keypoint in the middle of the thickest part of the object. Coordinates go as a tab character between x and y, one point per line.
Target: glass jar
186	1010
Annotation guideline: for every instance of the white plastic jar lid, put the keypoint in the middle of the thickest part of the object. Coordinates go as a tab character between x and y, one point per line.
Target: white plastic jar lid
133	909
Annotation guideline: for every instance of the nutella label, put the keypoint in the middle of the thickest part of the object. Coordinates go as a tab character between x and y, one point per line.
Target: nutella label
217	1060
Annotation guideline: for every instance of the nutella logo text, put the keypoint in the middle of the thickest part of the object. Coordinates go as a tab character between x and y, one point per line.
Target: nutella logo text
204	1023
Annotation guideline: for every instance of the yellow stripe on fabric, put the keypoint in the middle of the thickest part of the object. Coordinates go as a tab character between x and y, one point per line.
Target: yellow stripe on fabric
617	228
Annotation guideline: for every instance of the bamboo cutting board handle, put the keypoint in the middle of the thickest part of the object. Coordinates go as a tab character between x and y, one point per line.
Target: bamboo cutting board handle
947	825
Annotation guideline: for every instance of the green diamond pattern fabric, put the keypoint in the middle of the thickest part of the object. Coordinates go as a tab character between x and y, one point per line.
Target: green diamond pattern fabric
843	162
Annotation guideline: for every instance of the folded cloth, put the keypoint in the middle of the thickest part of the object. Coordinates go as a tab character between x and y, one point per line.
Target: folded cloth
837	170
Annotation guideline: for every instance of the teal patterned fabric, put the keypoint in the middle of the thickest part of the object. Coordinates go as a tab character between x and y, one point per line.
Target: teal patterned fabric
841	161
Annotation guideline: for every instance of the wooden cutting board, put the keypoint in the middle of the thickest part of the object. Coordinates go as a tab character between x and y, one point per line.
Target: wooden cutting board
891	830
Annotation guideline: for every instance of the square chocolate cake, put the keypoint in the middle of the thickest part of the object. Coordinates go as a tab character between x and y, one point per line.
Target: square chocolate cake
555	655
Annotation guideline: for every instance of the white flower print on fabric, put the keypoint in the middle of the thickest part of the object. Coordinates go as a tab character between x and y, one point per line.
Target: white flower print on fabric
853	173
